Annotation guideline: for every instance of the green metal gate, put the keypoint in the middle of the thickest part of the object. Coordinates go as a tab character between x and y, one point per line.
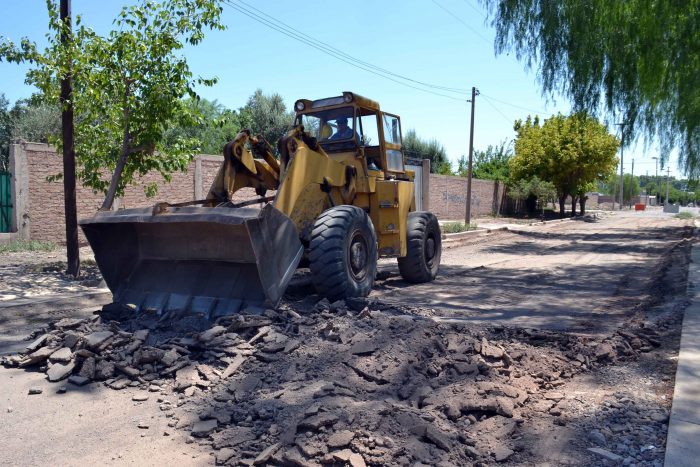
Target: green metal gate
5	203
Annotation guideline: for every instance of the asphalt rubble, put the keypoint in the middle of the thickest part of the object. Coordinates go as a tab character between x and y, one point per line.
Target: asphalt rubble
355	382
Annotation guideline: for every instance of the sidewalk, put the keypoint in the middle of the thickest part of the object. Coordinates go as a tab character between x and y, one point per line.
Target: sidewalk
683	440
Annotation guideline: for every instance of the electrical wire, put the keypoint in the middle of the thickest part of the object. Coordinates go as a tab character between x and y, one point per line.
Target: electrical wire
471	5
488	101
339	55
515	106
350	57
464	23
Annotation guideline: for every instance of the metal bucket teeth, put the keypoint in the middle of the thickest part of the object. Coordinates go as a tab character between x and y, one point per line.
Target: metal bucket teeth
207	261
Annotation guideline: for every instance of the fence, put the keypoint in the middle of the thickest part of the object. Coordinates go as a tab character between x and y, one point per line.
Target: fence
5	203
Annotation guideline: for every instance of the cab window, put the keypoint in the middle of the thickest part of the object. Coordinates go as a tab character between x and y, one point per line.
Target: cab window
330	125
392	129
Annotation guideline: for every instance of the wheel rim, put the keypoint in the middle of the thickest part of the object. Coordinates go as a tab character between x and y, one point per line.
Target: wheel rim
358	256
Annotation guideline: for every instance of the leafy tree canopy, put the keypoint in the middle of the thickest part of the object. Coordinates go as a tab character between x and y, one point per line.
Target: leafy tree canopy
630	189
640	59
571	152
491	164
127	87
418	148
267	115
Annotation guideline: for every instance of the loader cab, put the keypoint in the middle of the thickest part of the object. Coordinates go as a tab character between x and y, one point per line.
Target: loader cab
354	125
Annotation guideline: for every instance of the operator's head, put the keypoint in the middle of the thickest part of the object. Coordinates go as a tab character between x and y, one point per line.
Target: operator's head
342	121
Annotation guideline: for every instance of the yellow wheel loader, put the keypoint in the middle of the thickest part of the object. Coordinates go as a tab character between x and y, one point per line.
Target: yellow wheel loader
342	198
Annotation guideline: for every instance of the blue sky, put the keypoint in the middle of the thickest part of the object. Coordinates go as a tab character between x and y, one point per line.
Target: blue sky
440	42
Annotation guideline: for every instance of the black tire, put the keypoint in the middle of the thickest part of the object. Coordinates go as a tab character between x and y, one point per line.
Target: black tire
343	253
424	248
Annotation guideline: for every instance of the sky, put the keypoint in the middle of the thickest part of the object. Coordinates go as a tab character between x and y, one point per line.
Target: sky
442	43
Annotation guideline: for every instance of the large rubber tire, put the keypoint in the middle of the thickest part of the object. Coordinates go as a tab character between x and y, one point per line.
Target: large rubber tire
424	248
343	253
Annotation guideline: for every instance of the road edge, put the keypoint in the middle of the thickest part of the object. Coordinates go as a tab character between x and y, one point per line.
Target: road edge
682	447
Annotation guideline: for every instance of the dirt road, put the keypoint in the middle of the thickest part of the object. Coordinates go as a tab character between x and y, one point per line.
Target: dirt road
549	345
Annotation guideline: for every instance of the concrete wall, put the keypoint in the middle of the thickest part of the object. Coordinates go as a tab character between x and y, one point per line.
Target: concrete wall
39	203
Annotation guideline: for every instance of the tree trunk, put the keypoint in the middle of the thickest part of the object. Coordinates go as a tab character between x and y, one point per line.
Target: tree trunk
573	205
117	175
582	203
562	206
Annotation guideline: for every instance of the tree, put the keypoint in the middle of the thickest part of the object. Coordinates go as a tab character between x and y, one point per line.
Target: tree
128	88
630	187
491	164
217	126
267	115
568	151
538	191
418	148
38	122
635	58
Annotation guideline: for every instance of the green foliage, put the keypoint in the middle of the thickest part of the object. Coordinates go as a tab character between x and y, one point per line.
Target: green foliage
637	58
128	87
456	227
684	215
26	245
216	127
491	164
544	192
38	122
630	187
418	148
571	152
267	115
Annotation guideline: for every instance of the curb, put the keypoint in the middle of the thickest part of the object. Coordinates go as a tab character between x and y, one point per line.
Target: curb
458	239
682	448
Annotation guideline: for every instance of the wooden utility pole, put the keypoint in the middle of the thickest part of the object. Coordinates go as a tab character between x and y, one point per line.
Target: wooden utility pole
622	153
468	212
71	212
632	181
668	172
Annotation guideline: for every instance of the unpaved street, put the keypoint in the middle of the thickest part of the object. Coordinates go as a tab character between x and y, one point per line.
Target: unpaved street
550	344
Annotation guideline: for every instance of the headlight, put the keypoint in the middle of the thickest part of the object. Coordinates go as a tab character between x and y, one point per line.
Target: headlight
347	97
299	106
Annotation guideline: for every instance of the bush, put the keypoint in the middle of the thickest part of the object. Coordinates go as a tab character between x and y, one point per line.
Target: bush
455	227
684	215
27	245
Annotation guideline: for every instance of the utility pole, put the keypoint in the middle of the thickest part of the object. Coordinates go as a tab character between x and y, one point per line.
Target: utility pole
622	153
468	212
668	172
656	178
69	196
632	182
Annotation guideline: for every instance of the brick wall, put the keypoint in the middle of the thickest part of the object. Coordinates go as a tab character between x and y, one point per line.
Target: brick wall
45	199
448	196
44	219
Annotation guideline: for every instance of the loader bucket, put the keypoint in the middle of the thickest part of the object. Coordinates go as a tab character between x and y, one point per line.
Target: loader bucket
208	261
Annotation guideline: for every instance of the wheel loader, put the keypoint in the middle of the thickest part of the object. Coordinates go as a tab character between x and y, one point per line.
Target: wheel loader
341	198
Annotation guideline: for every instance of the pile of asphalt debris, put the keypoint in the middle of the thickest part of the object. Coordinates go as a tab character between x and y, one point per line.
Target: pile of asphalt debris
353	382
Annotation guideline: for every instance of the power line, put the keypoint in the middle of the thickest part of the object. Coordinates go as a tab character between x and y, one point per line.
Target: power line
488	101
288	31
516	106
468	26
471	5
354	59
